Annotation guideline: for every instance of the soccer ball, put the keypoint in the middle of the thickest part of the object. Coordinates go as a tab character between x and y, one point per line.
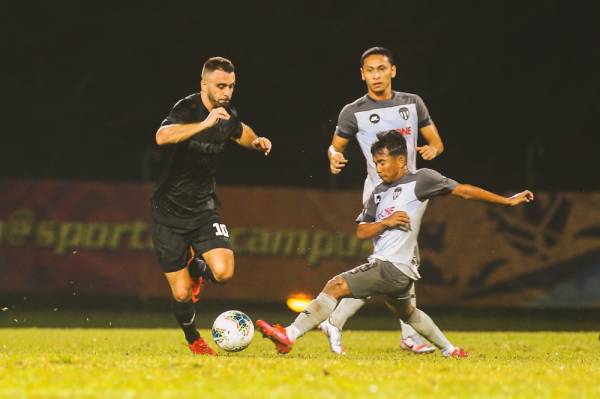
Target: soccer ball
232	331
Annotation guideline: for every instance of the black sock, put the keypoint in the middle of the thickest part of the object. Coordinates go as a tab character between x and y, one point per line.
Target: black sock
186	317
198	268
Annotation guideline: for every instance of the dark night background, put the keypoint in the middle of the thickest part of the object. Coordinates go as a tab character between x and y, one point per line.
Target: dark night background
512	86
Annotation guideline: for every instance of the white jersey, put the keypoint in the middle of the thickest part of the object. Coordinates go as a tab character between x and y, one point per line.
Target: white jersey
364	118
410	194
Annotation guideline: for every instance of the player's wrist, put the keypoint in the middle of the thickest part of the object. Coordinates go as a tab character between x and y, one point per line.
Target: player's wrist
331	151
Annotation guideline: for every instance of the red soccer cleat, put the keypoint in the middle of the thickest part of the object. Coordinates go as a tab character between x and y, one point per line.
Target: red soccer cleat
277	334
456	353
197	287
200	347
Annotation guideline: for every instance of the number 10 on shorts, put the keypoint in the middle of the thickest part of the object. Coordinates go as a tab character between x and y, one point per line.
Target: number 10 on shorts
221	229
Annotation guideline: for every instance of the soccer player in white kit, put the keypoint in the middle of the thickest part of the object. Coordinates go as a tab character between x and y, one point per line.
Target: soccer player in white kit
381	109
392	219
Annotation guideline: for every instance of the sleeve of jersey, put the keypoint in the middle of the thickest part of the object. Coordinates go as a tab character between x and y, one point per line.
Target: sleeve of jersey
234	126
431	183
347	125
368	213
181	113
423	113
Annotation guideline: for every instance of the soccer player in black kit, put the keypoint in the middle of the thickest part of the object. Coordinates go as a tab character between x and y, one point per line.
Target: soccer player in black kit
190	239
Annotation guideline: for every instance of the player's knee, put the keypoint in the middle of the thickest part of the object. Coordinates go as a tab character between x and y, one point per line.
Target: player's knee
182	294
336	287
223	275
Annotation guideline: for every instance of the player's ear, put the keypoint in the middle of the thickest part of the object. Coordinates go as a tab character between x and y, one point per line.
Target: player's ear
393	71
203	85
362	74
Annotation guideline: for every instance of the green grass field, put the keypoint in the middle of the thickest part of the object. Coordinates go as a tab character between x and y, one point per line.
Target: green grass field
155	363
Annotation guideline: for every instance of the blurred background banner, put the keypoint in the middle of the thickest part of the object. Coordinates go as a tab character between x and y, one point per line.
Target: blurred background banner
81	238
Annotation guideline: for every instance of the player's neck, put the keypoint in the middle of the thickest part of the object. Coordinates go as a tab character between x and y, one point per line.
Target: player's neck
383	96
205	101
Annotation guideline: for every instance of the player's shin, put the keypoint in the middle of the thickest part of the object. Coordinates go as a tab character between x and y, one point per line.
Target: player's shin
317	310
185	315
345	310
425	326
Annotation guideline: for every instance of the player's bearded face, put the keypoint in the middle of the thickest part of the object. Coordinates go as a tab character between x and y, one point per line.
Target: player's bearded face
378	72
218	86
389	168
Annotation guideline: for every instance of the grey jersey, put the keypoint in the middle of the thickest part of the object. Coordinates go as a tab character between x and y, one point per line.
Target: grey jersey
411	194
365	117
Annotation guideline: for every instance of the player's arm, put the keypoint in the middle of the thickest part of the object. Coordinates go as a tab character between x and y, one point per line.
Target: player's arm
468	191
176	133
434	146
397	220
335	153
249	139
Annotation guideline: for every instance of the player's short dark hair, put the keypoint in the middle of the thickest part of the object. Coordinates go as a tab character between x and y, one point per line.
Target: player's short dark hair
392	140
377	50
220	63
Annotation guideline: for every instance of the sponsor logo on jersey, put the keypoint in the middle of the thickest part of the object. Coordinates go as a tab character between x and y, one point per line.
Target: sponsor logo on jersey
374	118
405	131
386	212
207	148
404	113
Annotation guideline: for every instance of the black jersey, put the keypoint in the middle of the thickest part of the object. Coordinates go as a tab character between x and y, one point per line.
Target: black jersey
187	183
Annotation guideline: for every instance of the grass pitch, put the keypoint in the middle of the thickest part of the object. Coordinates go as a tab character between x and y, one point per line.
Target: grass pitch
155	363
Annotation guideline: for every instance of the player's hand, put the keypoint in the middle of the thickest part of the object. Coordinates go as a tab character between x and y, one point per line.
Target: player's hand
262	144
336	162
524	196
398	219
214	116
428	152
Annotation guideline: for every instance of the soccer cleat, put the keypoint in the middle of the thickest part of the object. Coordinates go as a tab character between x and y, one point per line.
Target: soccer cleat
200	347
277	334
409	344
456	353
197	286
334	336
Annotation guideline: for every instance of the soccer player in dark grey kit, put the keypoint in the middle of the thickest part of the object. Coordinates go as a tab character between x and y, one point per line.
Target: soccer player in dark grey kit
392	218
381	109
190	239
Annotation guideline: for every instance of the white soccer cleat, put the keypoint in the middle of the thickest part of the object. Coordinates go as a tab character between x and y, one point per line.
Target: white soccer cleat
409	344
334	336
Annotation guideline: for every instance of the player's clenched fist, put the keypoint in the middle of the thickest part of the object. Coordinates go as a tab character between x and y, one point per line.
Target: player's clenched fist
262	144
398	219
524	196
428	152
214	116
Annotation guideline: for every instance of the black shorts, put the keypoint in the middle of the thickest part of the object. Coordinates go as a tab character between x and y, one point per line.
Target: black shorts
175	247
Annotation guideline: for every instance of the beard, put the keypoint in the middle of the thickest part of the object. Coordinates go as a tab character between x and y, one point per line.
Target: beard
216	103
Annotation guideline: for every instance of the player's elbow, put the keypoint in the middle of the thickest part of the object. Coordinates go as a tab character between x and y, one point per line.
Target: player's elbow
161	136
463	191
361	234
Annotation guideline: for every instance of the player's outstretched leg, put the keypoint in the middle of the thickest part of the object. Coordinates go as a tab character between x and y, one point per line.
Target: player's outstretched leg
317	311
425	326
332	327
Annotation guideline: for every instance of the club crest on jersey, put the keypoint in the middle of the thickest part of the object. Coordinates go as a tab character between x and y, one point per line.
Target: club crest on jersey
404	113
374	118
397	192
377	198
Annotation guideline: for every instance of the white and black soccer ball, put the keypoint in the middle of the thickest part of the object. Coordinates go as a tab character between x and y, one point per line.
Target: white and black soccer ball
232	331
